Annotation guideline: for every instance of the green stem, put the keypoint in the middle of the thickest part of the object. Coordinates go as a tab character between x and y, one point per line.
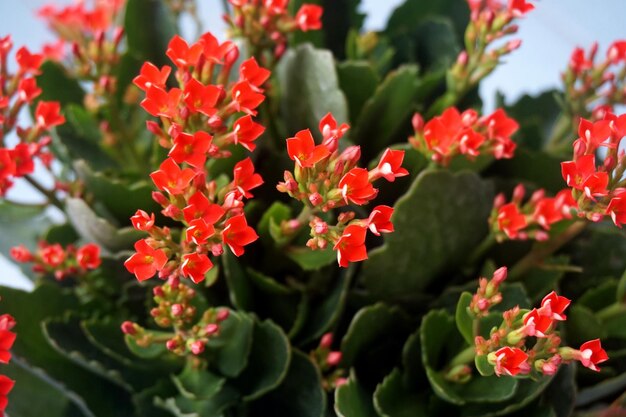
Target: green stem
540	252
52	198
465	357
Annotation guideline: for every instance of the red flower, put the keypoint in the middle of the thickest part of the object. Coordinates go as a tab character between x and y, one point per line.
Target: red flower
470	142
578	61
331	132
499	125
214	51
350	246
28	62
150	75
159	102
244	177
52	255
146	262
21	254
88	256
48	114
510	361
201	208
246	98
183	55
303	150
195	266
440	133
22	155
6	385
537	324
171	178
252	72
581	175
191	149
547	212
237	234
591	354
27	90
592	135
199	231
617	208
142	221
554	305
390	165
510	220
6	341
617	52
379	220
200	98
520	7
356	187
246	131
7	165
309	17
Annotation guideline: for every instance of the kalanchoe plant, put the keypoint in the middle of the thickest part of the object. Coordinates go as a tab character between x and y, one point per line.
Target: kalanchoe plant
240	228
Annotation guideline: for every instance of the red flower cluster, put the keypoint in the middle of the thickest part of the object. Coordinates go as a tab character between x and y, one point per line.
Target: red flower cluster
7	338
596	82
532	219
58	261
454	133
17	91
482	9
175	308
326	179
197	124
599	190
266	23
509	348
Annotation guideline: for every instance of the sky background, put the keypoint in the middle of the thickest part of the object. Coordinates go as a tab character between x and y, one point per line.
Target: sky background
549	33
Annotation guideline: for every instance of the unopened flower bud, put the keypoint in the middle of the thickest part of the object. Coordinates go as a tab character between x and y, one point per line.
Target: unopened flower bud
333	358
197	347
316	199
211	328
326	341
129	328
223	314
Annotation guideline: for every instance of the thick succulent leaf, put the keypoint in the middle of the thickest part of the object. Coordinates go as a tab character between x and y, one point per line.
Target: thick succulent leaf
231	348
63	234
97	229
353	400
239	286
438	223
300	394
392	398
561	393
465	320
56	85
311	260
149	26
440	341
358	81
582	325
198	384
387	112
309	89
268	364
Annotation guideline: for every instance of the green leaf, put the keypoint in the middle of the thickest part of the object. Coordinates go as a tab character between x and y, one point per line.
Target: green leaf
198	384
268	284
595	298
309	89
437	45
411	12
352	400
537	167
53	400
81	137
539	282
149	26
64	234
277	213
152	351
300	394
340	16
231	348
239	286
604	389
96	229
358	81
435	231
311	260
57	85
440	341
393	399
582	325
371	327
562	392
268	364
464	319
621	290
483	366
121	199
387	112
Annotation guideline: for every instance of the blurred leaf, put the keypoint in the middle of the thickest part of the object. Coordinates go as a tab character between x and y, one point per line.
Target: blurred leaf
63	234
311	260
231	347
561	393
239	287
352	400
151	351
300	394
387	112
268	364
393	399
309	89
57	85
435	231
358	81
437	46
273	216
198	384
621	290
94	228
582	325
149	26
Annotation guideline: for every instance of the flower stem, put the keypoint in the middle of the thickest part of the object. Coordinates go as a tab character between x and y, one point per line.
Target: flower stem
49	194
540	252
